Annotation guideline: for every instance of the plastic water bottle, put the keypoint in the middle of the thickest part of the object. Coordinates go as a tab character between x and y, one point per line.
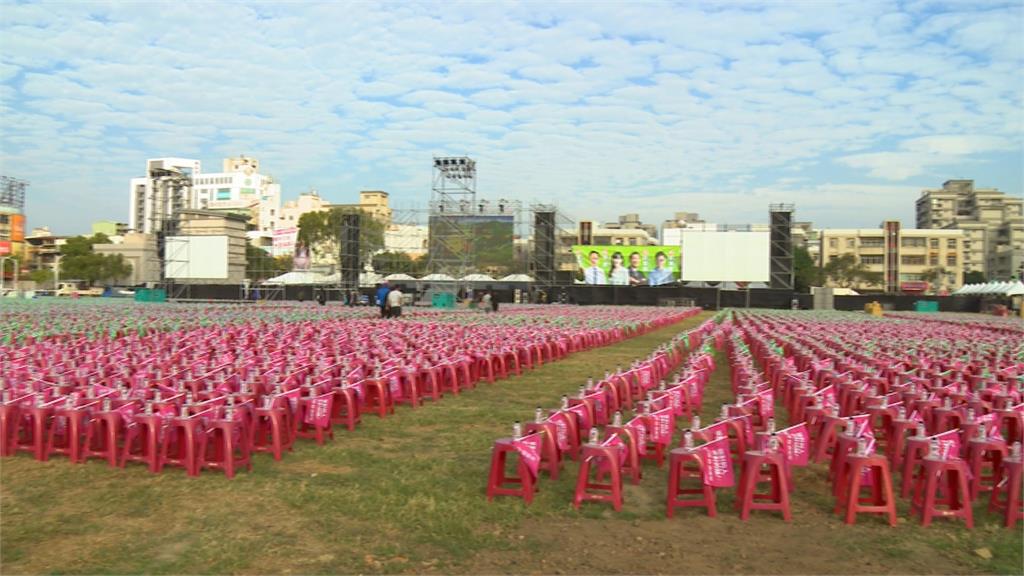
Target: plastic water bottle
583	391
647	408
695	423
688	440
862	446
148	409
538	415
590	382
773	443
970	414
919	430
593	436
617	419
901	413
229	414
771	425
184	411
933	449
1015	451
662	386
565	402
851	428
517	430
947	403
725	411
106	404
982	433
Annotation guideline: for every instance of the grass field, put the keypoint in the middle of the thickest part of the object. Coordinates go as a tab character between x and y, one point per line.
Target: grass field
406	495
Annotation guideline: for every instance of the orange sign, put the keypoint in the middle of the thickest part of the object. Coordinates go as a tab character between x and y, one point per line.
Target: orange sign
18	228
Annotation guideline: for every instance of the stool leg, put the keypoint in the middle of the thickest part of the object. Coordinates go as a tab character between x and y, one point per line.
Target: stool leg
581	482
673	486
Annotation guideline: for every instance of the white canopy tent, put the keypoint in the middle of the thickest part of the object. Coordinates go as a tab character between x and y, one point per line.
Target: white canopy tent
398	276
516	278
437	278
478	278
1006	288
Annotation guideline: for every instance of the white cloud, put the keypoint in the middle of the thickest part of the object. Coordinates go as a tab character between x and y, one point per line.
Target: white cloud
644	105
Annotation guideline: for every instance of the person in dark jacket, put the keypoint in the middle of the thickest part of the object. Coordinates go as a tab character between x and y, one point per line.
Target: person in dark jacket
382	298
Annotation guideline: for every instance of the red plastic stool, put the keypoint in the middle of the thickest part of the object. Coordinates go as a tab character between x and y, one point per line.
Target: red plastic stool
777	498
497	480
346	407
1006	495
917	449
69	440
684	464
957	499
101	439
849	498
896	441
183	440
378	397
33	429
10	420
845	445
593	455
225	446
985	455
826	437
550	458
632	465
142	442
271	432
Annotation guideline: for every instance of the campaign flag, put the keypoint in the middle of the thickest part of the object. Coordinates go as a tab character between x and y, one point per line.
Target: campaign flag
675	395
766	403
639	430
293	398
580	410
716	430
796	444
949	444
613	441
717	463
662	425
318	411
561	429
528	448
598	398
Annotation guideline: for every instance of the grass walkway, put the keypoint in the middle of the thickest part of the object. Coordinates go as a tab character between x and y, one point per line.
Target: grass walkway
406	494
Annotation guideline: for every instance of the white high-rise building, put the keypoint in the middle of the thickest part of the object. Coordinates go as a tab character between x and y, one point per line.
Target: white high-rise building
165	189
241	189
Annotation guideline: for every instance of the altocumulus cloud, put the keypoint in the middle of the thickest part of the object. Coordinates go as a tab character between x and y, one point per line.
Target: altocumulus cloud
717	108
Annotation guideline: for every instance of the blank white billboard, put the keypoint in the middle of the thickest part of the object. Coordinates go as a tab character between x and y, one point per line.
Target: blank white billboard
725	256
196	257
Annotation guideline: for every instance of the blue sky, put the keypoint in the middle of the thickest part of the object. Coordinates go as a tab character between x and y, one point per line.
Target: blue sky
847	110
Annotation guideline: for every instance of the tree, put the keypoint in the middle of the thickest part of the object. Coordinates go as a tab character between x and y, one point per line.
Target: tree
260	265
934	276
974	277
321	231
805	272
385	263
847	272
42	277
79	261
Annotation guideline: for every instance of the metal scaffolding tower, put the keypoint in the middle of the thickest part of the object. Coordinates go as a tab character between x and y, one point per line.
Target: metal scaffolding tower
452	201
781	252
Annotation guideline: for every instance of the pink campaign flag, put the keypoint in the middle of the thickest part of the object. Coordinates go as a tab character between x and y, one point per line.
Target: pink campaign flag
561	429
598	398
128	410
318	411
646	382
949	444
662	424
766	403
716	430
581	412
717	463
796	444
862	425
636	426
293	398
528	448
675	395
620	453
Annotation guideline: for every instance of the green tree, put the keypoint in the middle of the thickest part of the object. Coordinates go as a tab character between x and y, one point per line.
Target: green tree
934	276
43	277
80	262
385	263
847	272
322	231
805	272
260	265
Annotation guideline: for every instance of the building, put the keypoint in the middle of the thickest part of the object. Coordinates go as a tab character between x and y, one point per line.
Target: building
165	189
240	189
109	228
292	210
909	260
374	203
12	221
992	222
43	249
140	251
632	222
407	238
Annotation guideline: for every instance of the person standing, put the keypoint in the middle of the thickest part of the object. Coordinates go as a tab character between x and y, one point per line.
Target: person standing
617	274
382	298
660	274
394	299
636	277
485	302
494	302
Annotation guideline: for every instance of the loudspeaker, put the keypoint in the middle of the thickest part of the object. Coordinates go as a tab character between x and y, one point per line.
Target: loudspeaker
349	257
544	247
